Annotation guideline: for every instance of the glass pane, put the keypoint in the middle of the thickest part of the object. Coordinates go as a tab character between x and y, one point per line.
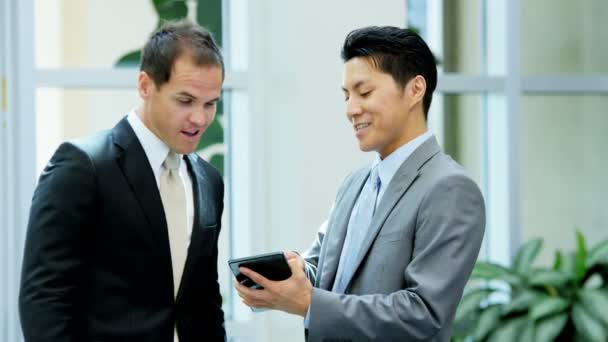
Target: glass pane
63	114
563	171
97	34
453	31
462	123
572	36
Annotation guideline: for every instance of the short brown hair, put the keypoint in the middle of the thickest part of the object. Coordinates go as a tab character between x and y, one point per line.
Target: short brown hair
173	39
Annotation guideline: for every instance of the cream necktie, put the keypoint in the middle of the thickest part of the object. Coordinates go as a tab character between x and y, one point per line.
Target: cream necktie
173	195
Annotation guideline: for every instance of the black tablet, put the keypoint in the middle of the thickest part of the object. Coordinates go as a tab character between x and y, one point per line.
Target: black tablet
273	266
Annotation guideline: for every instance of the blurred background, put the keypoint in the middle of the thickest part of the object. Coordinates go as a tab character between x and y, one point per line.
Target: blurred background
521	104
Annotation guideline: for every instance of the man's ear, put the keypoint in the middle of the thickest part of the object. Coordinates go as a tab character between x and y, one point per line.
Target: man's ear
416	88
144	85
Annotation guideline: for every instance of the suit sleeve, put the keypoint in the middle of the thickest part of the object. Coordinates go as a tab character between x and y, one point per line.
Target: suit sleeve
311	255
53	254
449	231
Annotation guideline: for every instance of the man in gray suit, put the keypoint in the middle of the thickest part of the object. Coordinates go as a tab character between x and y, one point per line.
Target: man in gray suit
391	262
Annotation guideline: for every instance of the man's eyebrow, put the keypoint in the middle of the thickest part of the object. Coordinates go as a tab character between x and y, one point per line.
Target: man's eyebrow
185	93
357	85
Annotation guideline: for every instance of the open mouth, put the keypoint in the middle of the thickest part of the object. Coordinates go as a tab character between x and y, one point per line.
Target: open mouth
191	133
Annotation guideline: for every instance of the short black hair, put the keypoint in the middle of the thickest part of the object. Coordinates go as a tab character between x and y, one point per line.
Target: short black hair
399	52
173	39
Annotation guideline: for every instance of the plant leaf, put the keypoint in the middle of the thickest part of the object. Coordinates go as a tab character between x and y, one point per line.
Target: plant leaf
214	134
595	303
470	303
217	160
509	331
491	271
542	277
598	254
557	264
488	320
526	255
568	263
586	325
581	256
527	335
171	10
548	306
549	328
131	59
522	301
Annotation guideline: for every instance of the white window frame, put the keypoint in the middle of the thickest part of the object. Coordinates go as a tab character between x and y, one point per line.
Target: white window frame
502	87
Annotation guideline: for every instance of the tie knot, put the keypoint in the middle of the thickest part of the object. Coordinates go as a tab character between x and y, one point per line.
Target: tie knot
172	161
374	178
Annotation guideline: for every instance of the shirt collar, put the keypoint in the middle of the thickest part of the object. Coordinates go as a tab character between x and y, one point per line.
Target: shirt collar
156	150
388	166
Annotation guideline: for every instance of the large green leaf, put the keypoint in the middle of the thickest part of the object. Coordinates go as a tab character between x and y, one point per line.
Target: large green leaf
547	306
510	331
131	59
598	254
214	134
595	303
549	328
488	320
522	301
542	277
526	255
470	303
586	325
491	271
217	160
209	15
581	256
170	9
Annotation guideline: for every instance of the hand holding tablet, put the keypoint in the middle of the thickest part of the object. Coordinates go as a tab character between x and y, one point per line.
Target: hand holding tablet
272	266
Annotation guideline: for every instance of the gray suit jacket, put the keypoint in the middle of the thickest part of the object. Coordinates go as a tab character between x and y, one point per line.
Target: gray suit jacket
412	268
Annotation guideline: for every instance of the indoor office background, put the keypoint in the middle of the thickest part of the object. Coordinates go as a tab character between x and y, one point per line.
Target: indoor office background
521	103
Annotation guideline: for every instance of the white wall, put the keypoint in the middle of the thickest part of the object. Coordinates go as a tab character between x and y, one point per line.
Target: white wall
303	143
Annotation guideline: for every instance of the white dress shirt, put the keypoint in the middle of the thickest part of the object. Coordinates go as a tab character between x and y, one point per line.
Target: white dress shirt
156	151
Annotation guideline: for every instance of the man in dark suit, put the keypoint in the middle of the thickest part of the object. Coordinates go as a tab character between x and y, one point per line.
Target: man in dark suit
392	260
122	236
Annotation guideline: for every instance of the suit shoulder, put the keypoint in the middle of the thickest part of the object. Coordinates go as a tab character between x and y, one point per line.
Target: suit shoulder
443	170
96	146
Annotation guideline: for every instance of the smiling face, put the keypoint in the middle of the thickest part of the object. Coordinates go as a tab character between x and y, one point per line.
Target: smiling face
383	114
180	110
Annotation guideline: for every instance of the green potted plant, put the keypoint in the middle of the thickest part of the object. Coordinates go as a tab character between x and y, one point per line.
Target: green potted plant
566	302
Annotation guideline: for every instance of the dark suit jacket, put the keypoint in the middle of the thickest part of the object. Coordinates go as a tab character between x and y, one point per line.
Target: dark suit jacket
97	264
413	264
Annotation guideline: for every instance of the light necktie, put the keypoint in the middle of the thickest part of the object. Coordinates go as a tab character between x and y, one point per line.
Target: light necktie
358	227
173	195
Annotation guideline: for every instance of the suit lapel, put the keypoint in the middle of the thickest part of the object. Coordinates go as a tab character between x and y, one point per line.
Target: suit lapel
136	169
405	176
335	237
204	211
